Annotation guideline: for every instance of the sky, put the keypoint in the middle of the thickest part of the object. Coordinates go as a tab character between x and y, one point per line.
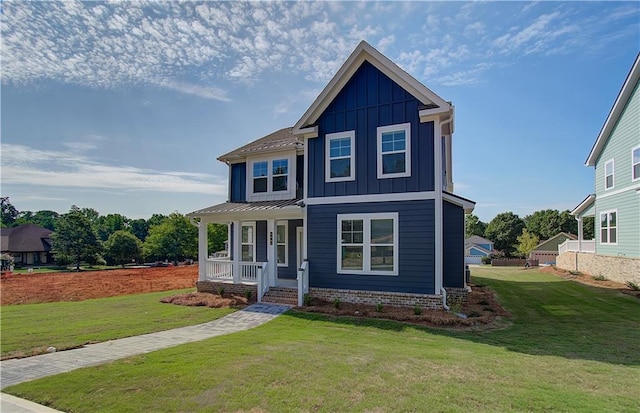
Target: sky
125	106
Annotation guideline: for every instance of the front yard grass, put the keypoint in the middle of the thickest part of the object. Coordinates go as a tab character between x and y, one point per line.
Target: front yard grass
569	347
31	328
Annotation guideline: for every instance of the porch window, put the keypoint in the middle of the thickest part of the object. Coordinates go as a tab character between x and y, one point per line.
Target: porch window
635	164
609	227
608	174
281	244
248	242
279	173
394	151
260	171
368	244
340	165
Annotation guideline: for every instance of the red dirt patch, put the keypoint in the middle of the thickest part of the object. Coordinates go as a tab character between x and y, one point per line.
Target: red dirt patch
589	280
78	286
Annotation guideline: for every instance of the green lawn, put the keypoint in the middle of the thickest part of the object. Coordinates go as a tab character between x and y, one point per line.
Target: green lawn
570	348
31	328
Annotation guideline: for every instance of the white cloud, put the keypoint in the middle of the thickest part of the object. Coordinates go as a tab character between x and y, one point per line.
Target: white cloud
23	165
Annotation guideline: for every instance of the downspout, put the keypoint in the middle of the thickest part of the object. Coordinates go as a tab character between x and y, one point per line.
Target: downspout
444	299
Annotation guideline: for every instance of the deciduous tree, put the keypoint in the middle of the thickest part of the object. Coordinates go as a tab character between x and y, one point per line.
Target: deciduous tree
9	213
174	239
74	239
122	247
526	243
503	230
216	236
473	226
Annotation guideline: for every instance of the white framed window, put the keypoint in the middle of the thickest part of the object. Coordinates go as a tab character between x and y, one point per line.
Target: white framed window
368	244
609	227
635	163
340	156
394	151
248	241
281	244
271	178
608	174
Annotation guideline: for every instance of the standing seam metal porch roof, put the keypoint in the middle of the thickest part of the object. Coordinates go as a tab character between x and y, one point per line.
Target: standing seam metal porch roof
235	207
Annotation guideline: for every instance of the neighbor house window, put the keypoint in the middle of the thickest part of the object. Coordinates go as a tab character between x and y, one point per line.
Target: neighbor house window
248	242
368	244
394	151
340	150
609	227
260	176
608	174
281	244
635	164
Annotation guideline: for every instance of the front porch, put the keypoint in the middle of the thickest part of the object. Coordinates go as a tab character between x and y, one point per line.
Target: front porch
265	249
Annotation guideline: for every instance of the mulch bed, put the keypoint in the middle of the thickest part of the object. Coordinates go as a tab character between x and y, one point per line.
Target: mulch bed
589	280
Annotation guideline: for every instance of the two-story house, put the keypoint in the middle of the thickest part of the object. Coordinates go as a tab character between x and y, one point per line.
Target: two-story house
615	252
354	202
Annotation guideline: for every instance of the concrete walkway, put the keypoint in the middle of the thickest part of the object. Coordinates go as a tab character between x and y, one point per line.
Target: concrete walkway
16	371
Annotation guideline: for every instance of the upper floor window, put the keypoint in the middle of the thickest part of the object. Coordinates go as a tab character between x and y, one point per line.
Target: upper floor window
340	164
368	244
608	227
269	179
635	163
394	151
608	174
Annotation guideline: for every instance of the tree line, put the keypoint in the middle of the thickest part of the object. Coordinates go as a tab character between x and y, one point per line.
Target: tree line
513	236
83	235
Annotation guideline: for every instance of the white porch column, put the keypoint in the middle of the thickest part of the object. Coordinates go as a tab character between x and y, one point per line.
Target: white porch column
580	233
203	250
272	261
237	250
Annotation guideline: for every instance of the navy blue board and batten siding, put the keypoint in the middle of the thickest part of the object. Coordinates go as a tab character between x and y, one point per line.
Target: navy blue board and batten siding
371	99
238	187
416	228
453	243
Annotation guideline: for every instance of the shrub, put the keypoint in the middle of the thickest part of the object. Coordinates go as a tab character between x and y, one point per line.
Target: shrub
485	260
633	286
221	291
455	304
600	277
336	303
306	299
379	307
417	310
247	294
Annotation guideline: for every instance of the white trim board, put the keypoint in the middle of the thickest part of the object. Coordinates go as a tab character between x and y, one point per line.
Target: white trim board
351	199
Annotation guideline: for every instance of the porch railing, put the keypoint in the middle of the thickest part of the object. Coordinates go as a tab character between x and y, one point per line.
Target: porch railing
303	282
577	246
262	278
223	269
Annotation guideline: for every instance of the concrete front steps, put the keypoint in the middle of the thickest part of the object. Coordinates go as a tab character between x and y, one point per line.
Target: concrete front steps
281	295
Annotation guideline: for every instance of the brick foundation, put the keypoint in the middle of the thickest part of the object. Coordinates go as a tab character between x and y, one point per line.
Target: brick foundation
229	287
620	269
426	301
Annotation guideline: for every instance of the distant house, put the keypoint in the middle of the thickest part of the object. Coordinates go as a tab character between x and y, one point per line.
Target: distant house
29	244
615	252
475	248
547	251
355	202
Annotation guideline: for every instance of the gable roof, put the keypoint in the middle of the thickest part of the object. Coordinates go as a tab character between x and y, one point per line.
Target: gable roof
276	141
551	241
365	52
584	205
477	239
614	115
25	238
471	246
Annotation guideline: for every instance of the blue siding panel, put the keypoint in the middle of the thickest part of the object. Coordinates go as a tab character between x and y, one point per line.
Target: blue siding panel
261	241
416	247
238	189
453	240
371	99
299	176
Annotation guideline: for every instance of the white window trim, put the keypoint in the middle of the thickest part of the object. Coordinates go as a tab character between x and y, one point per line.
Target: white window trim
270	195
637	178
613	175
352	158
366	245
252	225
285	224
392	128
609	227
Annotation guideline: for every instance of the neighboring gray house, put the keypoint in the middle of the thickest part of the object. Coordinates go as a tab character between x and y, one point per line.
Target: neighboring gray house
615	252
29	244
546	252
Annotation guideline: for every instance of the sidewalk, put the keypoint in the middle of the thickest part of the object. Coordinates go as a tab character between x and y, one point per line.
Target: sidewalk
16	371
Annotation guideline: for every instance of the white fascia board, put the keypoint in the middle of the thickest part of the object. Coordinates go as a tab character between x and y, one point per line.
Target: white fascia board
466	204
363	52
586	203
618	107
349	199
305	133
